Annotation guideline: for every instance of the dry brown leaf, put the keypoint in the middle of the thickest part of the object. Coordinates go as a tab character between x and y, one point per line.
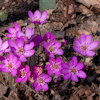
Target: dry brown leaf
3	89
88	3
77	33
81	92
85	10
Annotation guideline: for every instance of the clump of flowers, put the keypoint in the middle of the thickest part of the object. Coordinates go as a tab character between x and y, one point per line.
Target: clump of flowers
84	46
54	66
20	49
37	18
41	82
52	48
12	31
24	73
73	70
10	64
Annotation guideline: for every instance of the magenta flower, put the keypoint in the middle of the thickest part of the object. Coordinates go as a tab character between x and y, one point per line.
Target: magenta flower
54	66
12	31
28	34
41	82
37	70
47	37
10	64
37	18
4	47
73	70
84	46
52	48
24	74
20	49
64	41
37	40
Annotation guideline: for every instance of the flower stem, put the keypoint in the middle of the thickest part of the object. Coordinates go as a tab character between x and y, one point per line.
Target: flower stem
3	80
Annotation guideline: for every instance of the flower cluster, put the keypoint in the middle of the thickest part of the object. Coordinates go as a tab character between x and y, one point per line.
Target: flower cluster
21	45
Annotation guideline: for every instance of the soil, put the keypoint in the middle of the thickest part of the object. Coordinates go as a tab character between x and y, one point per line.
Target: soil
58	25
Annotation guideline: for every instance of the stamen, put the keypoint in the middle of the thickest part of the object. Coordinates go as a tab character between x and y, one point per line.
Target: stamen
84	47
73	70
10	66
55	66
51	49
40	80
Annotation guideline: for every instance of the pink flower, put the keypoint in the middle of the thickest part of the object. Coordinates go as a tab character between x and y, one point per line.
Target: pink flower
20	49
37	40
64	41
37	18
10	64
12	31
28	34
55	66
4	47
41	82
24	74
84	46
37	70
73	70
52	48
47	37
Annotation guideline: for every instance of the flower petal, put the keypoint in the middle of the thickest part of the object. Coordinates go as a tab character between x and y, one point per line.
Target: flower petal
29	46
67	76
24	79
27	68
60	60
82	38
17	27
90	53
47	67
17	65
14	72
12	44
45	44
44	16
58	73
45	87
79	66
5	70
30	14
58	44
93	45
81	74
11	30
71	63
5	45
77	42
0	41
20	42
29	53
74	78
37	14
20	34
35	84
65	65
48	79
37	88
18	80
50	72
59	52
65	71
75	60
22	58
76	49
88	39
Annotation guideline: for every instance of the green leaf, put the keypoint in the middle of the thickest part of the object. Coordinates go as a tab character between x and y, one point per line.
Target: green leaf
3	16
46	4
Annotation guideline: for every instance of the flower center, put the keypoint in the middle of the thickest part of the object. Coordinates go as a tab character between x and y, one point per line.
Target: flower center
39	70
21	50
23	73
37	20
40	80
73	70
10	66
51	49
55	66
84	47
27	37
